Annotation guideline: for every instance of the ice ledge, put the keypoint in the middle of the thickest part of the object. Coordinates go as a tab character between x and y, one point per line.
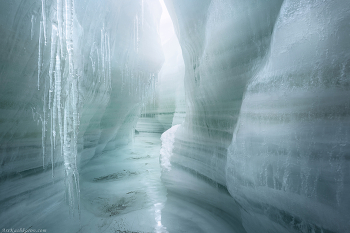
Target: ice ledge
168	138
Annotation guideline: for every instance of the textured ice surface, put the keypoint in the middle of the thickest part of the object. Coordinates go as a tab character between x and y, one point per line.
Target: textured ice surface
260	89
166	151
121	191
59	104
289	157
267	85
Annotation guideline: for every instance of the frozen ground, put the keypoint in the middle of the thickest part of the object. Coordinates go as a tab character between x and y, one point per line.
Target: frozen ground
121	191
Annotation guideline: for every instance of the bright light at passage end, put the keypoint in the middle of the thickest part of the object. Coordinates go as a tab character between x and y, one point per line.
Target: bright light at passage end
166	29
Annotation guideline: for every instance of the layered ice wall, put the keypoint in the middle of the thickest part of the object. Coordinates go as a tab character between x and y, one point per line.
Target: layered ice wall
289	158
267	87
223	46
74	75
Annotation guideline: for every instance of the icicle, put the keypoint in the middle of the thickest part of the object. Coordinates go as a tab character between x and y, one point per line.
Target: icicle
44	121
32	28
75	173
43	11
103	55
58	94
43	140
70	119
60	24
106	61
54	113
40	54
142	13
98	67
65	145
52	61
43	134
137	34
70	151
109	65
69	33
77	186
52	136
75	109
52	104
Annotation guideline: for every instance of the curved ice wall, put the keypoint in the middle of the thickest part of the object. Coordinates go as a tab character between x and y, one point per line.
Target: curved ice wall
168	107
74	75
267	88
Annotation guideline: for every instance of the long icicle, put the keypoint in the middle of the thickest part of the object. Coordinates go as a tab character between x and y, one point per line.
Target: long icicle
142	13
103	54
43	127
52	61
71	114
58	81
43	11
60	24
40	54
52	109
32	28
109	65
69	34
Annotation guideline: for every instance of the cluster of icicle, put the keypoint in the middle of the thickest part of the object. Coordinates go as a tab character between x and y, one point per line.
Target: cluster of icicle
136	82
139	83
61	96
60	81
101	60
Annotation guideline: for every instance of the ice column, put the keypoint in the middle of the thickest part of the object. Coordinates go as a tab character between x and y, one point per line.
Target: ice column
62	93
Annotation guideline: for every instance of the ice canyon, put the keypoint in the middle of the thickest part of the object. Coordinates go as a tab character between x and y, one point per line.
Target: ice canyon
175	116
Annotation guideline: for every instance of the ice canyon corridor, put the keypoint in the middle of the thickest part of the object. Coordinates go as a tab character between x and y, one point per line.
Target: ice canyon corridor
169	116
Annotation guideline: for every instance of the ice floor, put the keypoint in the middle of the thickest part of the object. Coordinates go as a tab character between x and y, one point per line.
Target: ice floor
121	191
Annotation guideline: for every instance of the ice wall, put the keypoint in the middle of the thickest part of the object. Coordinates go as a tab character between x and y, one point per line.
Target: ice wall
168	108
268	111
74	75
223	44
289	158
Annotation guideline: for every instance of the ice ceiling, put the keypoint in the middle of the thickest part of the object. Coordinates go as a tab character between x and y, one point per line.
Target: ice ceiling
175	116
